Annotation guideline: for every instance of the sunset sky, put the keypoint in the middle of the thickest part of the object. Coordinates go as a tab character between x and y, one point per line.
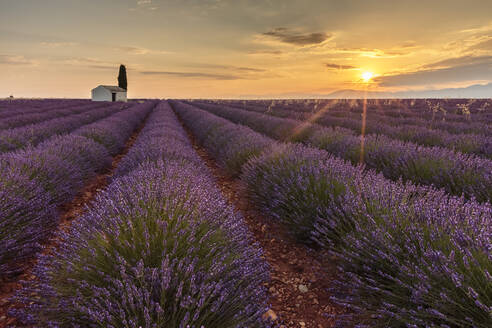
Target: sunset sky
242	48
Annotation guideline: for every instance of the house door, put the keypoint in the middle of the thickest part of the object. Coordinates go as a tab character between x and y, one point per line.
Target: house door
113	96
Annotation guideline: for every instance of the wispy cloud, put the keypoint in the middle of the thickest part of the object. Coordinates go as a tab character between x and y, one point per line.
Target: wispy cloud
89	63
265	52
460	61
59	44
15	60
340	67
480	29
193	75
459	69
485	45
296	38
141	51
373	52
144	5
227	67
249	69
329	48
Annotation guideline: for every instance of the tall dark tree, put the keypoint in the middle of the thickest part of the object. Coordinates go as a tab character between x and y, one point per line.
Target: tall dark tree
122	83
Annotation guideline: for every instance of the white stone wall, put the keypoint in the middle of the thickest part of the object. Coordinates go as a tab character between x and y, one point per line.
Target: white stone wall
101	94
121	96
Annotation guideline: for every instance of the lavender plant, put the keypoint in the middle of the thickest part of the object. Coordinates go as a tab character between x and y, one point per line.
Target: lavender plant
293	184
421	264
33	134
162	138
159	248
455	172
37	117
410	256
56	169
121	126
57	177
21	107
83	153
25	219
230	144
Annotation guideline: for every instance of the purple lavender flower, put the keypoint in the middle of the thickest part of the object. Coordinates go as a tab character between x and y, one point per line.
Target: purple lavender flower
160	247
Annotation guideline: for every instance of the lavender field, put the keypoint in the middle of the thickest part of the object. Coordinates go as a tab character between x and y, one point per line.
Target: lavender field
234	213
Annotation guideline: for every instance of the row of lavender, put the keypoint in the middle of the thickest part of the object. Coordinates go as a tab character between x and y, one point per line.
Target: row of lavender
11	108
410	256
469	143
457	173
36	180
30	118
474	138
453	110
469	125
159	248
403	124
33	134
435	118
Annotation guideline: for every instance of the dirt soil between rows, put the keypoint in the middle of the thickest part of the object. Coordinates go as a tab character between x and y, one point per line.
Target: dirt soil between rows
300	276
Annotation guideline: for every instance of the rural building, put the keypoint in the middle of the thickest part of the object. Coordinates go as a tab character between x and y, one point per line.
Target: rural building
108	93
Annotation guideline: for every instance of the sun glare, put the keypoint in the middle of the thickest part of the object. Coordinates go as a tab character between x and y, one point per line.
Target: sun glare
367	76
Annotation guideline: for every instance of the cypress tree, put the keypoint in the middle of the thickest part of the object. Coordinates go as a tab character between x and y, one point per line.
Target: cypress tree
122	83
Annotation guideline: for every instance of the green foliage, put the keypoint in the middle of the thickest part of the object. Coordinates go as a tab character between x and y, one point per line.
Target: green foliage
122	81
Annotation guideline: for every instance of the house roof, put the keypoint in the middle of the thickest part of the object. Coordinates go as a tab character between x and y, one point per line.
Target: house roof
113	88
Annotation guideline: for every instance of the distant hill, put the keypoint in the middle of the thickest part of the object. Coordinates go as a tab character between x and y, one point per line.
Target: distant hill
473	91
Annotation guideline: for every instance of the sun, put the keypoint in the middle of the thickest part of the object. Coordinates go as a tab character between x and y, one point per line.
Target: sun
367	76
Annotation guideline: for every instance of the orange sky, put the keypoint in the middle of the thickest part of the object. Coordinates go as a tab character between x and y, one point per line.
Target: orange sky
242	48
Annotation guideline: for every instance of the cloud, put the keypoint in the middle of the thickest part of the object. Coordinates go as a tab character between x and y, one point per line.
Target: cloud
285	35
133	50
483	45
409	44
249	69
141	51
452	70
374	53
143	5
215	72
340	67
90	63
265	52
227	67
59	44
331	49
15	60
459	61
477	30
193	75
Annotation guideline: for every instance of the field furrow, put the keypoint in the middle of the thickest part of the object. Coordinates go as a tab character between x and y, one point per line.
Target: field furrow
159	247
38	117
67	214
408	254
455	172
301	277
33	134
10	109
36	181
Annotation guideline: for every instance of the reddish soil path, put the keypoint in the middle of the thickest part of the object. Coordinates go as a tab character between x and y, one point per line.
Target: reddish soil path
299	276
68	212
